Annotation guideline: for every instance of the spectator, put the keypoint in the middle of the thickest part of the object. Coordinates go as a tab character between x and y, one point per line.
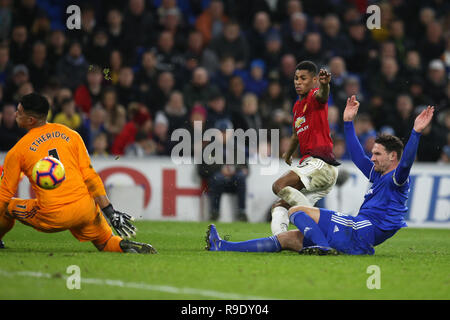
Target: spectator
142	146
362	44
10	133
175	112
273	51
38	66
216	109
116	30
161	134
287	72
227	70
99	50
335	43
100	145
257	34
172	21
255	82
116	63
250	112
146	77
231	42
140	121
161	94
431	144
19	47
388	82
125	88
433	46
6	19
167	57
198	89
436	83
413	65
20	75
93	126
223	177
72	69
339	75
56	48
5	64
295	33
334	120
365	132
68	115
211	22
403	120
116	114
235	94
204	56
89	93
272	99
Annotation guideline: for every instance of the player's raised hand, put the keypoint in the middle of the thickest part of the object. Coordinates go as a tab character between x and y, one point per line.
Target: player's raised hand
351	109
423	119
120	221
324	77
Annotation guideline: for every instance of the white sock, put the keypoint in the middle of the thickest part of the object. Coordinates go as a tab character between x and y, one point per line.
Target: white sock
294	197
280	220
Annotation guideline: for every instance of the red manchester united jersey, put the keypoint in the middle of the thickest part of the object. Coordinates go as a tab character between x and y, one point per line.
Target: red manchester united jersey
311	126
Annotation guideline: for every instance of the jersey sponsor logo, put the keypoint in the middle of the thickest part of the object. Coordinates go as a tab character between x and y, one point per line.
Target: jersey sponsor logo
299	121
302	129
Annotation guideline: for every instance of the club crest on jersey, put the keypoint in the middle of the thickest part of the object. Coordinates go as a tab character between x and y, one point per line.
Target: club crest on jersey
299	121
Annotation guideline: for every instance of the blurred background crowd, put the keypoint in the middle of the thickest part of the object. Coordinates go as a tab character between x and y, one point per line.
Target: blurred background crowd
139	69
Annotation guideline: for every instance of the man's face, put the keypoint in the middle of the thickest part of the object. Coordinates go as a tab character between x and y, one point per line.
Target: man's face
304	81
382	159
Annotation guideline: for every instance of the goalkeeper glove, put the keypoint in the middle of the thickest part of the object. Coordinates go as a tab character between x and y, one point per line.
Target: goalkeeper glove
120	221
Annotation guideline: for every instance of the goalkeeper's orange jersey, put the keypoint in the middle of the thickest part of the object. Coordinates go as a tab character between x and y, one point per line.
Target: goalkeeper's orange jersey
60	142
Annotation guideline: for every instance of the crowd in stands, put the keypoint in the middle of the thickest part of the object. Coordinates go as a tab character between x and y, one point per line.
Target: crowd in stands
139	69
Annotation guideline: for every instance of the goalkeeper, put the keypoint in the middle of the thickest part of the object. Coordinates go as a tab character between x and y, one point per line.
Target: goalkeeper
381	215
78	203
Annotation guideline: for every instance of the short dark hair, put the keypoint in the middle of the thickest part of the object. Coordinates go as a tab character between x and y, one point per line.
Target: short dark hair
391	143
307	65
35	104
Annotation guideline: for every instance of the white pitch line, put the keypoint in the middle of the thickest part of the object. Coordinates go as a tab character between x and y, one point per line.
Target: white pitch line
142	286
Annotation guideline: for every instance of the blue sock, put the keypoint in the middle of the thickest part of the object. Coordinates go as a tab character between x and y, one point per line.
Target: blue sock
269	244
309	228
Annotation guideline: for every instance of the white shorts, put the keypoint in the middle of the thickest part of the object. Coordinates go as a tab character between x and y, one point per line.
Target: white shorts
317	176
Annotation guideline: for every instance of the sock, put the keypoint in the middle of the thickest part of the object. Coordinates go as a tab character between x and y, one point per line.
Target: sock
269	244
6	224
294	197
309	228
112	245
280	220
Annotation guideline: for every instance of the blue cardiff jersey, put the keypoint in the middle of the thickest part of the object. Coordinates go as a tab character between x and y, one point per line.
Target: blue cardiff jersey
385	201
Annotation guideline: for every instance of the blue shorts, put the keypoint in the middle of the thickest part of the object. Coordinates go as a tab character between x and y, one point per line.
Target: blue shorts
349	234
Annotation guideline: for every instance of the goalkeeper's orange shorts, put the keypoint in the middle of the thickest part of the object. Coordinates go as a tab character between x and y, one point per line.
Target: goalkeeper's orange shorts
83	218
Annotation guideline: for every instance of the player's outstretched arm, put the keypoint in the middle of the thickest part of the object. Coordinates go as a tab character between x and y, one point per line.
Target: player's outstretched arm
357	154
410	151
324	86
120	221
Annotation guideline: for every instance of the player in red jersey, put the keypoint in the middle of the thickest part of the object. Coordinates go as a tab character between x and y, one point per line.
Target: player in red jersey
316	173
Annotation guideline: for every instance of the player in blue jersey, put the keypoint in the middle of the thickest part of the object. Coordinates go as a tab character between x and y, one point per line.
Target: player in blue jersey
381	215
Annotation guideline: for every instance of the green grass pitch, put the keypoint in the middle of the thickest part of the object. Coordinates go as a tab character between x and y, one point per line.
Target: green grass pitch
414	264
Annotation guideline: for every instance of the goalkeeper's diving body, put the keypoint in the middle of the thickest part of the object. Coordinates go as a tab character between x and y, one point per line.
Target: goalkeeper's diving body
381	215
78	203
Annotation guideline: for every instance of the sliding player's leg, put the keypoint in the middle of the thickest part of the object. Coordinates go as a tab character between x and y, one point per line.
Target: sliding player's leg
313	223
290	240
